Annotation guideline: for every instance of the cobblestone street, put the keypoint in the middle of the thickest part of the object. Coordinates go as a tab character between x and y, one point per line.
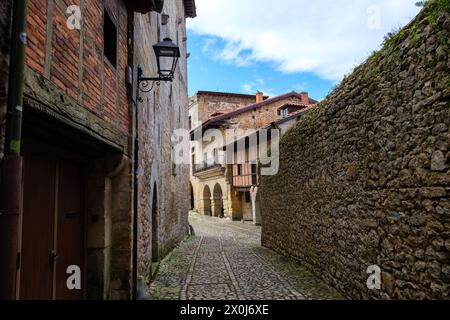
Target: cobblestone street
224	260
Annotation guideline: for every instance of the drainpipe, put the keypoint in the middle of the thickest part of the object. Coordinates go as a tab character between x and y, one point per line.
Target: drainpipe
136	196
135	130
10	191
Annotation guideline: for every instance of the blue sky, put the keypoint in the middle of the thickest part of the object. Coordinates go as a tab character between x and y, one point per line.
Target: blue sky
208	74
247	45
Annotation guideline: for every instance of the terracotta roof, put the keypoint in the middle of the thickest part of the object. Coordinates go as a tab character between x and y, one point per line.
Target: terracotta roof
251	107
189	8
291	116
272	125
295	104
227	94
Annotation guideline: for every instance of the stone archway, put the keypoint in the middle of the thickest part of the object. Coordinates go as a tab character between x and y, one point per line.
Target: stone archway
207	201
218	201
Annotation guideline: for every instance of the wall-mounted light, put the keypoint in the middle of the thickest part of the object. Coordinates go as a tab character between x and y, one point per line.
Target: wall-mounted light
167	55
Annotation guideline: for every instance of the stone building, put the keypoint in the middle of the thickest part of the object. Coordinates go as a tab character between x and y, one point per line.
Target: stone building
164	186
223	178
253	156
78	146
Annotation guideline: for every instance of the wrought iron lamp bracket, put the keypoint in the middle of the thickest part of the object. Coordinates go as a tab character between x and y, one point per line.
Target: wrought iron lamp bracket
146	85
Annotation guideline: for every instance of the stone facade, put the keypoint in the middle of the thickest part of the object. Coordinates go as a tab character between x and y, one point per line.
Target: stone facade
203	105
212	180
162	111
365	177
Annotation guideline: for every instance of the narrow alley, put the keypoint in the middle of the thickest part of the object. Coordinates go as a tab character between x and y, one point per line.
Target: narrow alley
205	151
225	261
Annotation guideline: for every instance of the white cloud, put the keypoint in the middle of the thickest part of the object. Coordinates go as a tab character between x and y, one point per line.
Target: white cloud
301	86
208	44
325	37
257	85
231	53
248	88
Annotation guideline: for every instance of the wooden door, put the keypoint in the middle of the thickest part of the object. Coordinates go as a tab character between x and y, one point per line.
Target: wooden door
53	236
70	230
36	275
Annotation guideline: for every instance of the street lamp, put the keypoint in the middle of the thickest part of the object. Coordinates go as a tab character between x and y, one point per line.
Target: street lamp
167	55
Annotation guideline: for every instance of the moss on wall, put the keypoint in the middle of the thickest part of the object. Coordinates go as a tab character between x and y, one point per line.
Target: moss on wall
364	177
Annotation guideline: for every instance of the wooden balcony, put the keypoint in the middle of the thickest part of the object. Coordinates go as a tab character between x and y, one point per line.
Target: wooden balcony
245	175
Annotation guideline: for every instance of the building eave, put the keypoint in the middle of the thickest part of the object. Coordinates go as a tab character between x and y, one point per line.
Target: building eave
189	8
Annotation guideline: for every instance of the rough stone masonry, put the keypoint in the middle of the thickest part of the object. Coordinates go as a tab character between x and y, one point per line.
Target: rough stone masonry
365	178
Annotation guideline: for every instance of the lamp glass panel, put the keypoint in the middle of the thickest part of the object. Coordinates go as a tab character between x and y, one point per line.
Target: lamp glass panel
166	64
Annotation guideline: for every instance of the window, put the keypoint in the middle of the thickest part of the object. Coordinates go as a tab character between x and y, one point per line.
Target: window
239	169
190	123
254	175
109	39
283	112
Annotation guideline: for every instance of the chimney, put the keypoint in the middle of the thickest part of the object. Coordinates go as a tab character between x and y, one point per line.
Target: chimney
305	97
259	97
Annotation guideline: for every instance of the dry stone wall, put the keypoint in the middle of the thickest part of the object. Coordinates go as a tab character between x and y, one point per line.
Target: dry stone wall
364	177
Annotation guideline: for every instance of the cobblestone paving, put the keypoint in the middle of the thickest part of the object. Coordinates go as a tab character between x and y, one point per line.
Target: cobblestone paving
225	261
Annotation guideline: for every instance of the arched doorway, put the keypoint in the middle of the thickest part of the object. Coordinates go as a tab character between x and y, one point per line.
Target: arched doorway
155	216
218	201
207	201
191	192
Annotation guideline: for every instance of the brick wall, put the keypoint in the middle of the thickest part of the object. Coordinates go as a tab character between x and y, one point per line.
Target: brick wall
364	177
73	60
64	52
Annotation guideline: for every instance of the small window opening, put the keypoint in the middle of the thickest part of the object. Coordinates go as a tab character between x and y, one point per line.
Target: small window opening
109	39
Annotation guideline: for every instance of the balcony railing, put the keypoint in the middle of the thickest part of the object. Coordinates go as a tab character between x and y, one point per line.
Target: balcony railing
206	166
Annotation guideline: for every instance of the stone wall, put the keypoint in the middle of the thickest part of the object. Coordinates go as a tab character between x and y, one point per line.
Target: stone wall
205	104
161	112
364	177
